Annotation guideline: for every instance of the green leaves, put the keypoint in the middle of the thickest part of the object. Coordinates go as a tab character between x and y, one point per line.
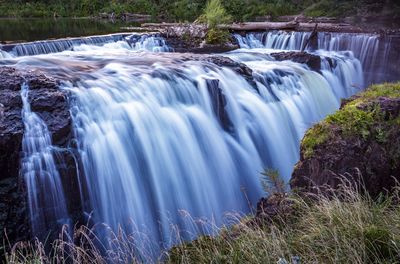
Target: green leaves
215	14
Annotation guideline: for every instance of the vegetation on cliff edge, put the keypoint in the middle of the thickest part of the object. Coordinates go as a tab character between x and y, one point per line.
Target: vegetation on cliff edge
362	117
349	228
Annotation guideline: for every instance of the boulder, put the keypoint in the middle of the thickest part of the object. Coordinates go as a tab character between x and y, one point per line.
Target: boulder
312	61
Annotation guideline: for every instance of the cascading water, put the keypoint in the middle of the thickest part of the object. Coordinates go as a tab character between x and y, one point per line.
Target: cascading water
47	204
159	136
368	48
168	136
137	42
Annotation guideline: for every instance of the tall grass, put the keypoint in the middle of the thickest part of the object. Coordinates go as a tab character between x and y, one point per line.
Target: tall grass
345	227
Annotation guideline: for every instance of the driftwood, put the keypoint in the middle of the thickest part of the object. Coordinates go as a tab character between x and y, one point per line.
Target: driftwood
178	30
154	25
292	25
254	26
265	26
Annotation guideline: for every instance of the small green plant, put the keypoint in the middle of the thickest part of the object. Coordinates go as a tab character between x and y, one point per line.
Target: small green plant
272	182
217	36
215	14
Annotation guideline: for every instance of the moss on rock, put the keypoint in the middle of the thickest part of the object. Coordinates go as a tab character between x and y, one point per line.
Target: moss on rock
362	116
360	142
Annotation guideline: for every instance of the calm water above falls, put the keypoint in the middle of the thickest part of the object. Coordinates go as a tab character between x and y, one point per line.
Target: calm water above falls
161	137
32	29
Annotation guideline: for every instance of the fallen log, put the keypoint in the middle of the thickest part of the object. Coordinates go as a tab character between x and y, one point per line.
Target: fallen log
255	26
265	26
330	27
161	24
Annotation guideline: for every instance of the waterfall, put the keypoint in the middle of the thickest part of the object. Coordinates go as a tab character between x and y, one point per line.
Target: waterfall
163	139
368	48
46	201
131	41
169	137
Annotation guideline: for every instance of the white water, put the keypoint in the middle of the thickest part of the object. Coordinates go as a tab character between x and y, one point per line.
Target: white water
365	47
153	144
136	42
46	201
160	138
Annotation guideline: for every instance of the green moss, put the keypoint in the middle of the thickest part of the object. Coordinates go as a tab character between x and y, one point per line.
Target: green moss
390	90
361	117
315	136
353	121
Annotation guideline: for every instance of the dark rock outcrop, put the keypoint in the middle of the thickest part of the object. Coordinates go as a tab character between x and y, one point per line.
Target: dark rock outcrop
359	145
312	61
274	208
51	104
218	101
196	45
240	68
14	221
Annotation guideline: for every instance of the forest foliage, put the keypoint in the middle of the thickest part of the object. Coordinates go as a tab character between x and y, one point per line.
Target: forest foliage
189	10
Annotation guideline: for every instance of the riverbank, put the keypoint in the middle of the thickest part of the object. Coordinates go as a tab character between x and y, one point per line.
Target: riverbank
183	10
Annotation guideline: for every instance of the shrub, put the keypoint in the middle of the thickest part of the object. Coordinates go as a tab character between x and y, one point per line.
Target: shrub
215	14
272	182
217	36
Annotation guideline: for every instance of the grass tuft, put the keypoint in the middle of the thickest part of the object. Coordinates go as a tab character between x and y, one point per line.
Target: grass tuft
348	229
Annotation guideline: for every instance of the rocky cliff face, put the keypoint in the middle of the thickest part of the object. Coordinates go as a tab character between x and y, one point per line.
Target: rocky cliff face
51	105
360	143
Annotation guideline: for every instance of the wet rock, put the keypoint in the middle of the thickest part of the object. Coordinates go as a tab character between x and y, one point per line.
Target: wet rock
312	61
240	68
218	101
13	214
276	207
10	79
51	105
11	126
196	45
